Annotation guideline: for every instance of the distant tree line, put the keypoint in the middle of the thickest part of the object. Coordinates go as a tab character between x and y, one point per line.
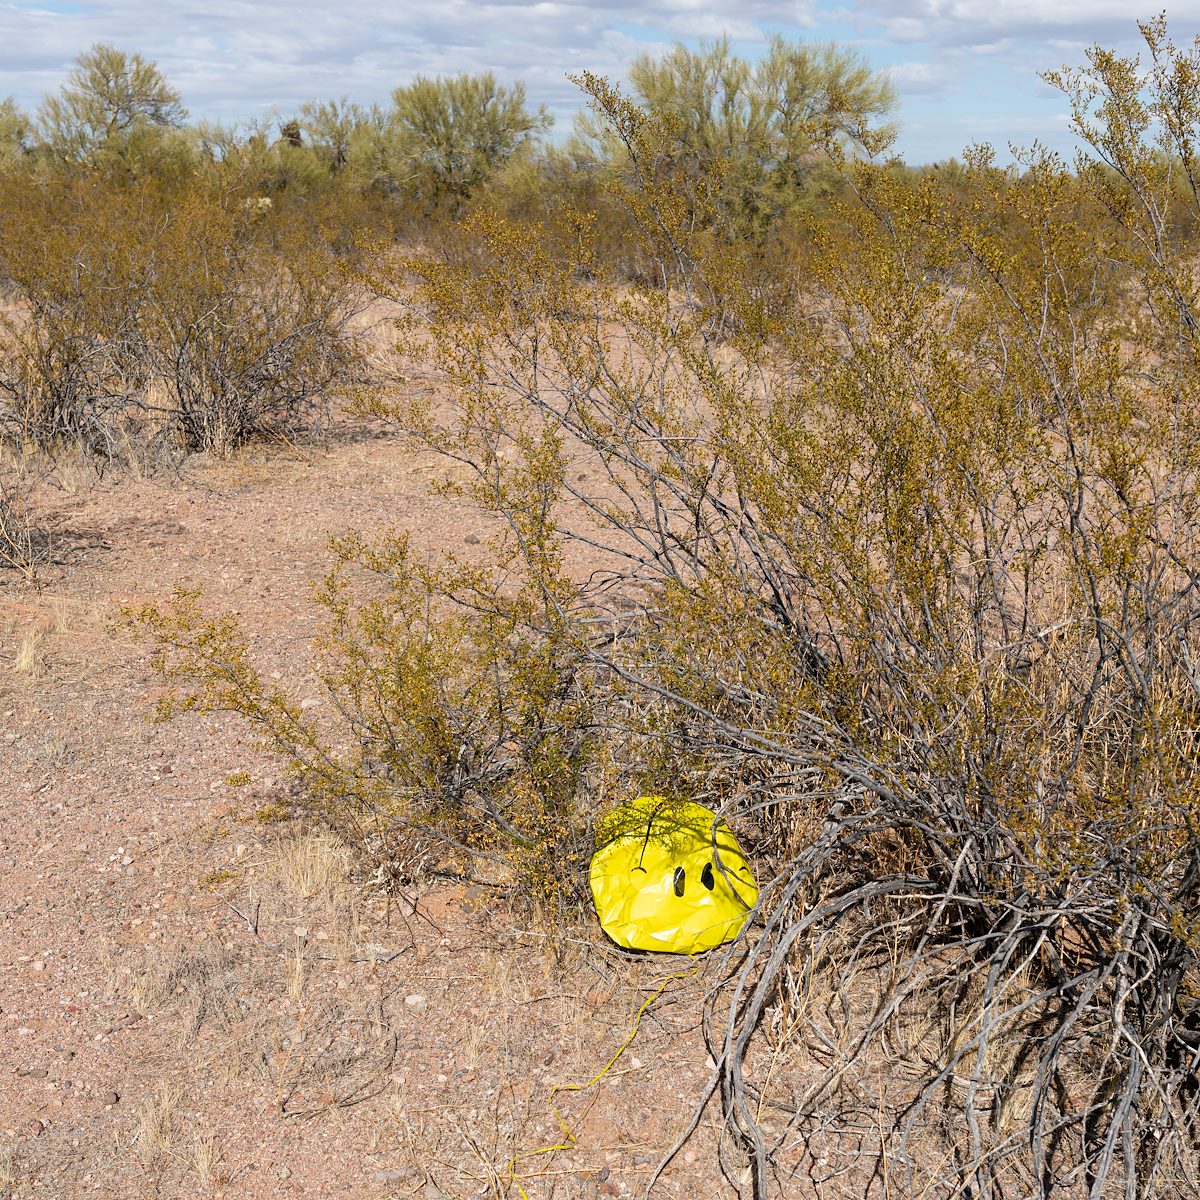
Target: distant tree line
441	141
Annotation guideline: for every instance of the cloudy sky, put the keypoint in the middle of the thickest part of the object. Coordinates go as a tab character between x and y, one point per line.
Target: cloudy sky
966	70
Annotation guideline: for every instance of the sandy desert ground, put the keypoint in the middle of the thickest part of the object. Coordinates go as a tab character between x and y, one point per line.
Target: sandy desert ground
199	999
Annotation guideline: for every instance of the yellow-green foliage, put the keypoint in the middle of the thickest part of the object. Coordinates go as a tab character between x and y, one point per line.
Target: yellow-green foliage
468	731
196	311
115	113
448	135
770	125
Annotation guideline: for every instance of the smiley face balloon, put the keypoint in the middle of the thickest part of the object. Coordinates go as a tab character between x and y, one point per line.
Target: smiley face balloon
669	875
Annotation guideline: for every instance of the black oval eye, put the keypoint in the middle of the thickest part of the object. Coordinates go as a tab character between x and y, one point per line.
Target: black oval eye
706	877
680	877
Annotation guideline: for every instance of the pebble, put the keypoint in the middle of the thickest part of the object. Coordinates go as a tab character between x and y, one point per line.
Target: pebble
472	539
284	1173
109	1098
310	702
35	1128
416	1003
602	1174
400	1175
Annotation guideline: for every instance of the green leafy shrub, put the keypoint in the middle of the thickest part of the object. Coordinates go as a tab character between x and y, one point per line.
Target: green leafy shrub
241	337
73	274
453	737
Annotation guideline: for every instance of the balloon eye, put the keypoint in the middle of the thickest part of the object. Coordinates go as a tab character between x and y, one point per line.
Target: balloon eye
680	876
706	877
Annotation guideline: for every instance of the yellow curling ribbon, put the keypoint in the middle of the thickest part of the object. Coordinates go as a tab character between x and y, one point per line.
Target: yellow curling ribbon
569	1140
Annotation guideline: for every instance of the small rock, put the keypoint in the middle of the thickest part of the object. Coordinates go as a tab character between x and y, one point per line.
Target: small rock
284	1173
472	539
689	1156
109	1098
35	1128
609	1189
310	702
33	1073
399	1175
39	964
602	1174
416	1003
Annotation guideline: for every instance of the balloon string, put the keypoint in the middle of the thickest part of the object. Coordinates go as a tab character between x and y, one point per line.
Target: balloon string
569	1139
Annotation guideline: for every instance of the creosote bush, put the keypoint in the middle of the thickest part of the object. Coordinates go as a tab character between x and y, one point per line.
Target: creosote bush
190	318
467	739
898	565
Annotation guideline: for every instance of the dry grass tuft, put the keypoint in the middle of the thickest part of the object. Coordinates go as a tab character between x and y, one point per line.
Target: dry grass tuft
8	1170
201	978
204	1155
313	865
24	546
57	751
156	1123
30	660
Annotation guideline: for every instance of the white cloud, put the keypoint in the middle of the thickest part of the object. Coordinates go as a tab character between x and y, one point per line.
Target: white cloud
921	78
980	23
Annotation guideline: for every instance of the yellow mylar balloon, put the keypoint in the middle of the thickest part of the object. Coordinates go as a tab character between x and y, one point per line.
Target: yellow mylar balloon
668	875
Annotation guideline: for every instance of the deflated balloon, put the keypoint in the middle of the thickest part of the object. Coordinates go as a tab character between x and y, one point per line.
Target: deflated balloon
669	875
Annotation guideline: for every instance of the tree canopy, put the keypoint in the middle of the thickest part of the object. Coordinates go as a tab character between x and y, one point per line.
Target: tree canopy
110	101
451	134
768	125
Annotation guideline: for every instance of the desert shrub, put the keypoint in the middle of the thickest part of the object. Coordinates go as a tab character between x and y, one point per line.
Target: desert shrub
242	337
16	130
192	316
72	273
453	738
762	132
116	114
447	136
900	567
